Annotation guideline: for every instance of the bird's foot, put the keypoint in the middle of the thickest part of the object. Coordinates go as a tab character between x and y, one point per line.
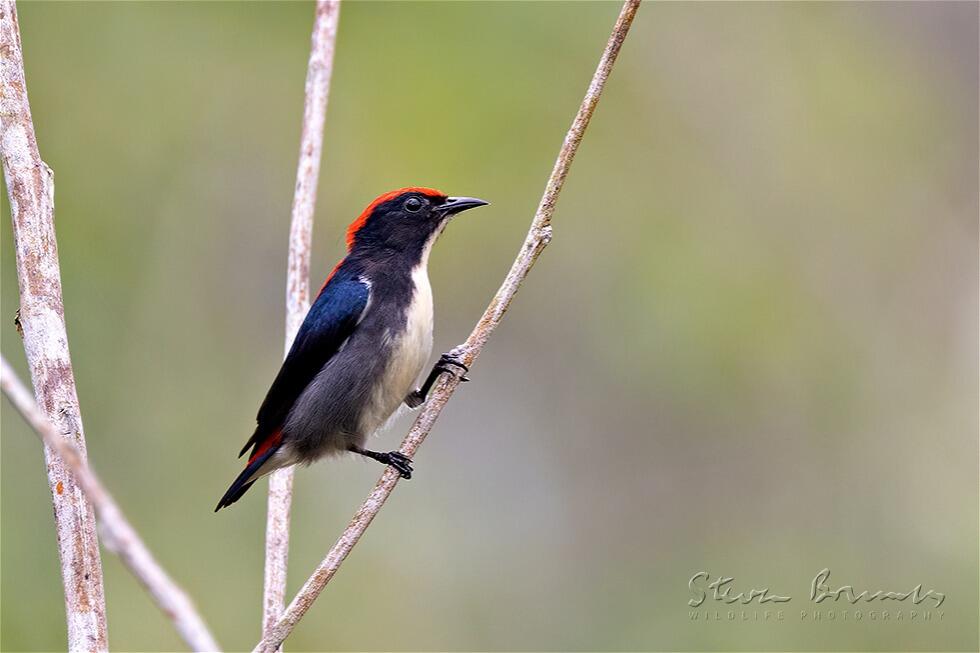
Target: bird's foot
396	459
401	463
449	363
452	363
414	399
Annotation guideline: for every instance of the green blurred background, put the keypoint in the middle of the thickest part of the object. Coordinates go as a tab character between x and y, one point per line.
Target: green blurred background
751	348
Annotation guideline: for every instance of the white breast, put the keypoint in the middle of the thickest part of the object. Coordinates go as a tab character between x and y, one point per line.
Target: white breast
410	349
413	349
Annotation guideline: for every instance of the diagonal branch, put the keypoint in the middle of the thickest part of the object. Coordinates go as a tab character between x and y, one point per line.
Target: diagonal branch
117	534
298	284
537	239
30	187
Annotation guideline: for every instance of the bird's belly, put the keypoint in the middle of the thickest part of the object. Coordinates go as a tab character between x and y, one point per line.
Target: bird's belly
409	350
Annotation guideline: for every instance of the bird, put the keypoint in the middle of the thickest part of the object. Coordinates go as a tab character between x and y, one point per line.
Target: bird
363	343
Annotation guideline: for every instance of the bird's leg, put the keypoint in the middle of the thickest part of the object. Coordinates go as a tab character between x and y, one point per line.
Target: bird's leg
449	363
398	460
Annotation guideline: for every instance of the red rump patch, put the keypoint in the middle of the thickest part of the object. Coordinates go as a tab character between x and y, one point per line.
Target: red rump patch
381	199
273	440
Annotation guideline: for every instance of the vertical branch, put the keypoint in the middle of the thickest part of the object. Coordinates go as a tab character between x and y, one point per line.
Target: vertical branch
318	74
537	239
117	533
30	187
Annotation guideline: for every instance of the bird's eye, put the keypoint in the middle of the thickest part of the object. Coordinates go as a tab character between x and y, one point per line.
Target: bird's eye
413	204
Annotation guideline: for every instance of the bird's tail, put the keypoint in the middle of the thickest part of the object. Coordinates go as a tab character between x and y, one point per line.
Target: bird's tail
237	489
260	456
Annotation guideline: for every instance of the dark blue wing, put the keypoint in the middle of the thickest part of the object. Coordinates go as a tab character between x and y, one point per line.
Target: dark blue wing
330	321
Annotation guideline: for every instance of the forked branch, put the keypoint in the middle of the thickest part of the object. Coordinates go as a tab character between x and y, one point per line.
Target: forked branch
30	187
75	489
118	535
537	239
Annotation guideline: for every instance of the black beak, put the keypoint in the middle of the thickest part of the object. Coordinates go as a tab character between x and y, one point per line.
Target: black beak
454	205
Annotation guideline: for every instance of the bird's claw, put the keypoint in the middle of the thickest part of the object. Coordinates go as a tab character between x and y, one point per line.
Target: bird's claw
451	363
401	463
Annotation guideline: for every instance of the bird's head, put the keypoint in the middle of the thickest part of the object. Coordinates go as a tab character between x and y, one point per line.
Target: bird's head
405	220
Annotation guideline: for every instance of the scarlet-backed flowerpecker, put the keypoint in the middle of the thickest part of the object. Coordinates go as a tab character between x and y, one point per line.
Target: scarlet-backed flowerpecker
364	342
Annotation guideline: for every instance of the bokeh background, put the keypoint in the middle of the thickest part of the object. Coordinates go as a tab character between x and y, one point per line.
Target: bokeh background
750	350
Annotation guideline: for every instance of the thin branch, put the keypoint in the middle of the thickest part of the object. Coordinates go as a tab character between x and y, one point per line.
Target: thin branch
318	74
118	535
75	489
30	187
537	239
